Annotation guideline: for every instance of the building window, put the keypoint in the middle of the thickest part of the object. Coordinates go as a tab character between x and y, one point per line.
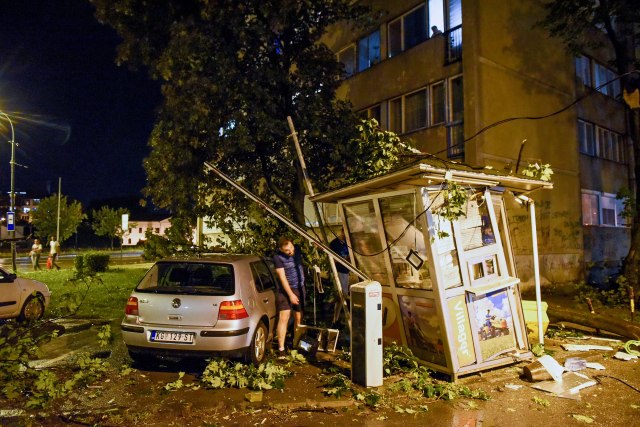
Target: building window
140	230
583	70
601	76
602	209
415	106
347	57
600	142
586	137
436	15
395	115
597	76
590	209
408	30
438	106
368	50
372	113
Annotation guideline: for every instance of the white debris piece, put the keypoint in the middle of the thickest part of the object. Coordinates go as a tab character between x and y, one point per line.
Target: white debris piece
585	347
621	355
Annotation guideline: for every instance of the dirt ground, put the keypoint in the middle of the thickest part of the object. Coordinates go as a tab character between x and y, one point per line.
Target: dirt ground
139	398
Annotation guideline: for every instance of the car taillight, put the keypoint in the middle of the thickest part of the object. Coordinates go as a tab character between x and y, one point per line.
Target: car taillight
232	310
132	307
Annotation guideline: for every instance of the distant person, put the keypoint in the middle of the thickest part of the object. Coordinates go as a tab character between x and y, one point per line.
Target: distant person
288	264
54	251
435	31
339	246
36	250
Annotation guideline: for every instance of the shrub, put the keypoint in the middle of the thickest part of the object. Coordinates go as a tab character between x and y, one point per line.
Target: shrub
78	262
95	262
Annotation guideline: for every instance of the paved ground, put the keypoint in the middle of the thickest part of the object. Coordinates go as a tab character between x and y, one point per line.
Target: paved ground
139	398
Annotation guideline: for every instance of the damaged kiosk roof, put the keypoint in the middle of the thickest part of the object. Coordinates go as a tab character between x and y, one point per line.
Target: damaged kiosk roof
425	173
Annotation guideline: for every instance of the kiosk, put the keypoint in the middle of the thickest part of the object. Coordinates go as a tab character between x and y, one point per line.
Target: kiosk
449	288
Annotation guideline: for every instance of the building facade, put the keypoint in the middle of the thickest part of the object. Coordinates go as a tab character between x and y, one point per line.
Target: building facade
482	83
138	227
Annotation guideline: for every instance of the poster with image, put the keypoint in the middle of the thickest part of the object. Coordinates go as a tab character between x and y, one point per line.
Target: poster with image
422	328
494	319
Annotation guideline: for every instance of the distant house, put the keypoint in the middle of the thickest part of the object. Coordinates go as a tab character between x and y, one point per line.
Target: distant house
139	225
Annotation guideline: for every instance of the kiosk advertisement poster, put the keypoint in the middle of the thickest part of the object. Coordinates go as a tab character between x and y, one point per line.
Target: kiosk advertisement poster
422	328
390	322
459	317
495	323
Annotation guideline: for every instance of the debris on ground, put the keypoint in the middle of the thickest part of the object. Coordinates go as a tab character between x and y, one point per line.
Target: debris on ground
621	355
585	347
568	387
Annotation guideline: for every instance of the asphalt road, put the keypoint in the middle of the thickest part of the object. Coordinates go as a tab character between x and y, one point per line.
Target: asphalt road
66	260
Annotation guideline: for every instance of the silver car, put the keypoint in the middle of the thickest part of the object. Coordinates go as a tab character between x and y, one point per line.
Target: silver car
222	304
22	298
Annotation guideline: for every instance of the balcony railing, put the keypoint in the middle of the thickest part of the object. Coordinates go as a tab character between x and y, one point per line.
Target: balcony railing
453	45
455	140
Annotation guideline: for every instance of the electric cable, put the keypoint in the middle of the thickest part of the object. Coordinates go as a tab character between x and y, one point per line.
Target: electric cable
562	110
598	377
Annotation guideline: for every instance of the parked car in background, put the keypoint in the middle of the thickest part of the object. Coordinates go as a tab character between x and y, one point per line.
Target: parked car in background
22	298
218	304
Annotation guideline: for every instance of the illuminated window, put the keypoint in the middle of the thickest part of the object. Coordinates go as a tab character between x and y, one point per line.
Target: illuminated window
369	50
408	30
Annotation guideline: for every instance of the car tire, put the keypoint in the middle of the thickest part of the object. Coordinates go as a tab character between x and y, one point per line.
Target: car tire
32	310
257	351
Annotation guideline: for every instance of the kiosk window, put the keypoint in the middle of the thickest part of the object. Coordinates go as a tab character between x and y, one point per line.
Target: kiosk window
365	240
476	229
405	237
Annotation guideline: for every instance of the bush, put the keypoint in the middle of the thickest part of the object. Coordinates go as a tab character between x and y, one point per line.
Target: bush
78	262
93	262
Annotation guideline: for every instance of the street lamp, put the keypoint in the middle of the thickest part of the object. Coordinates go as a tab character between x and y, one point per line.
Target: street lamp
12	194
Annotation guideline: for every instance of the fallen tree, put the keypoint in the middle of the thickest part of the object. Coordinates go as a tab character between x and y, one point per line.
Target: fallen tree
604	322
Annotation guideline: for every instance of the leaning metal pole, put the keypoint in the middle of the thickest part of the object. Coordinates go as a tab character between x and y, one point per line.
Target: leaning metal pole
307	180
287	221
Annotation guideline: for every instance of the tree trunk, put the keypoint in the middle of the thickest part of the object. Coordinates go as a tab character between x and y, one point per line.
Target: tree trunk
632	260
599	321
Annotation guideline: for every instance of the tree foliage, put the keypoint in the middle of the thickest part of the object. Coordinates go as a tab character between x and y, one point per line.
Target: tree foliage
590	24
108	222
231	73
45	217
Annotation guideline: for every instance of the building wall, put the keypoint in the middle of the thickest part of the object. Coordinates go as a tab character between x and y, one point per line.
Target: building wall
510	68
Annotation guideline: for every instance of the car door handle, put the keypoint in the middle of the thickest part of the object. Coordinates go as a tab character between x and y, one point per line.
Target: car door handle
266	300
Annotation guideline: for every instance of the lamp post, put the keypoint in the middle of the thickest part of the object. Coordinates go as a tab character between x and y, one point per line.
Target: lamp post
12	194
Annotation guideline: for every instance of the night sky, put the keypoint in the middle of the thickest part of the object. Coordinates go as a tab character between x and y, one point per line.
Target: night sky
76	114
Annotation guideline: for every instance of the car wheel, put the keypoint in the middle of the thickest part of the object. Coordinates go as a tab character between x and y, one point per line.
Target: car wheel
32	310
257	351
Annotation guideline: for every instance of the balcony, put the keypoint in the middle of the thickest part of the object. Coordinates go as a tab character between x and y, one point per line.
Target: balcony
453	45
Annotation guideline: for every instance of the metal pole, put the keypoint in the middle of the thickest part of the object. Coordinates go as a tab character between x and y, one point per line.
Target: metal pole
12	194
287	221
58	222
307	181
536	269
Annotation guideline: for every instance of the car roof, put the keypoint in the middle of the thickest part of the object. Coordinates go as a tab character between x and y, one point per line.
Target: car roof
224	258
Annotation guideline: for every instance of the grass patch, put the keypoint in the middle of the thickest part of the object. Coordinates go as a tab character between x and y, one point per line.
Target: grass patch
102	298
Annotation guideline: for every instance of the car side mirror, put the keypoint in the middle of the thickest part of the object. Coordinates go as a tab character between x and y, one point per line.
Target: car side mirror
12	277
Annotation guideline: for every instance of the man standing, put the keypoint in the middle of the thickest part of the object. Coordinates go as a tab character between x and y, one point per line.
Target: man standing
54	251
288	264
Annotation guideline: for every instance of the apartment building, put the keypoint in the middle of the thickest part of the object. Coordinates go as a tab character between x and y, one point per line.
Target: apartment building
479	82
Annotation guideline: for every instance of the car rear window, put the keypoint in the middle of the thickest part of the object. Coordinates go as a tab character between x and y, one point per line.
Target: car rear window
189	278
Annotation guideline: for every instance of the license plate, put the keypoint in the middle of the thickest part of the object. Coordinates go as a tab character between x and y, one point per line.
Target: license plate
166	336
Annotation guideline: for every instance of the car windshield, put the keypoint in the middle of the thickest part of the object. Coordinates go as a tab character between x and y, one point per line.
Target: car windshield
189	278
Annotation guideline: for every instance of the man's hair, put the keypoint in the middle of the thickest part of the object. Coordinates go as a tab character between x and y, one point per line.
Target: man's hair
283	240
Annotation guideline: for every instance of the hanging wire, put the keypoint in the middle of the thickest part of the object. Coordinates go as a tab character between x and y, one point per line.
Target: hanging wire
562	110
